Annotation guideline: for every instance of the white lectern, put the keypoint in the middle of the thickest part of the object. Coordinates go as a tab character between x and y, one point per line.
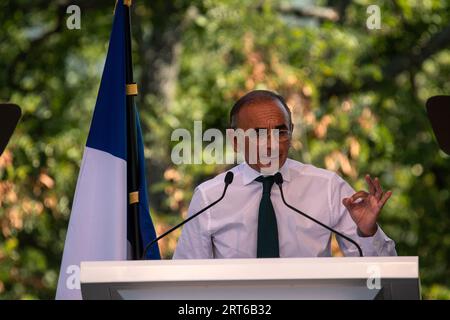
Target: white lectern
253	279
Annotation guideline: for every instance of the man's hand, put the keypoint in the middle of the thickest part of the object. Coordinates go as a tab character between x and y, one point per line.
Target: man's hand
365	212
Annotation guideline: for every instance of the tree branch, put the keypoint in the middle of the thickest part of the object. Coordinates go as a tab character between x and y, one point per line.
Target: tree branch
396	66
401	63
341	9
321	13
22	55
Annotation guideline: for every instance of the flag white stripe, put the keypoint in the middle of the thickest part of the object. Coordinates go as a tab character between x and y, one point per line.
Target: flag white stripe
98	222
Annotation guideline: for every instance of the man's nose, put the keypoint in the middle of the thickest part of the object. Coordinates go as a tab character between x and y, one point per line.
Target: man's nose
270	143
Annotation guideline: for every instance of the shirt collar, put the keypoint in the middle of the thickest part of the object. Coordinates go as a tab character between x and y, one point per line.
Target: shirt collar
250	174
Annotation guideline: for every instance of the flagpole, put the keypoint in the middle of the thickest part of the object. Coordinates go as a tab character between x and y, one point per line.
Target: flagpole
133	182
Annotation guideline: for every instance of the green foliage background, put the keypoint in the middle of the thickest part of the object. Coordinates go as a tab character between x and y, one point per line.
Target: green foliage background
357	97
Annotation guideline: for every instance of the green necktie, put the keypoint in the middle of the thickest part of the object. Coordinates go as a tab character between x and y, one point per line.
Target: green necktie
267	245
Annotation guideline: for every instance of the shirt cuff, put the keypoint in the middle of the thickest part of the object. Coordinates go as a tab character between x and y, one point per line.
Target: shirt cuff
371	245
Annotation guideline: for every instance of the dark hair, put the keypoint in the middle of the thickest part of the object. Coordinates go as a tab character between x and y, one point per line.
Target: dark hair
256	96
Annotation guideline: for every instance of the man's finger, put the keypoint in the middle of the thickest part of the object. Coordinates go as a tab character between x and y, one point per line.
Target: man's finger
378	189
359	195
370	184
347	203
385	198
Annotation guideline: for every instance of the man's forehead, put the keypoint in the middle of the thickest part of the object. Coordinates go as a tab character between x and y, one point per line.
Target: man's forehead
265	110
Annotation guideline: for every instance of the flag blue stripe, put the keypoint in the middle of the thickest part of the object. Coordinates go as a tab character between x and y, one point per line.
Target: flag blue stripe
146	224
108	127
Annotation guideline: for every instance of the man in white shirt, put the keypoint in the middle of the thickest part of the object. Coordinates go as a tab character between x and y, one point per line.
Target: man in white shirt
252	220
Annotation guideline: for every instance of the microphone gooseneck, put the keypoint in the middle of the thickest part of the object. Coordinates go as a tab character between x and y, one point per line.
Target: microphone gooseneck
279	181
228	180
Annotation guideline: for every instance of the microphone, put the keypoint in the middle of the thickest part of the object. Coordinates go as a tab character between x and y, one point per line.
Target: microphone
228	180
279	181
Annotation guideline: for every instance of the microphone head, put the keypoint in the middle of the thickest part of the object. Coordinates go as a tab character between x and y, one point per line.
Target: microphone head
229	177
438	109
278	178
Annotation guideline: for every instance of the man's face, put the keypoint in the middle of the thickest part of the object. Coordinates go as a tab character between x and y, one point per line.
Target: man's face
272	151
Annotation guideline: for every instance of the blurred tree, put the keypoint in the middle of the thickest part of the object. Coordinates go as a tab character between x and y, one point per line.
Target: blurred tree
357	97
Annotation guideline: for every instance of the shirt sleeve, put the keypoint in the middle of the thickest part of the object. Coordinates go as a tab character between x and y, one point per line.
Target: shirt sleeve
377	245
195	241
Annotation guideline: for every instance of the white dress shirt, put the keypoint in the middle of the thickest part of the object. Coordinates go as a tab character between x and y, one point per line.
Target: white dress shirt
229	229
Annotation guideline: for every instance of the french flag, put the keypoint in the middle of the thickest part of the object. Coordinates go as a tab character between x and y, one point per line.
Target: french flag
99	221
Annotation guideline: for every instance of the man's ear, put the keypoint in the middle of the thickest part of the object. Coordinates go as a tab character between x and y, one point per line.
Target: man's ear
290	139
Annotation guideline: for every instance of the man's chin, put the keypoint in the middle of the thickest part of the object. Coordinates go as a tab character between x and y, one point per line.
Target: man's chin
269	169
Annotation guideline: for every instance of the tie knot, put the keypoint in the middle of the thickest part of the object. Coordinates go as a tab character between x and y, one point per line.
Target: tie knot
267	182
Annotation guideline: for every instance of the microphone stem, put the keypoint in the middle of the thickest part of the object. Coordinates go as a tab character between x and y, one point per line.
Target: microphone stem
182	223
320	223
